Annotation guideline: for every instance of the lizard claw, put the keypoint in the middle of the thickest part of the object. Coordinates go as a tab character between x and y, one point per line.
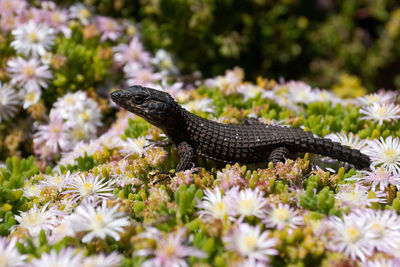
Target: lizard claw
159	143
165	176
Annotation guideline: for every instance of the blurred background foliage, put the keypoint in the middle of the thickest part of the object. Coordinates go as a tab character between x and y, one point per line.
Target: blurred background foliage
322	42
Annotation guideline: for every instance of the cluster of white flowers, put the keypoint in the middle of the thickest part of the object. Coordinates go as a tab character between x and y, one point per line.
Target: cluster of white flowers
74	118
290	94
71	257
93	216
246	240
29	70
362	232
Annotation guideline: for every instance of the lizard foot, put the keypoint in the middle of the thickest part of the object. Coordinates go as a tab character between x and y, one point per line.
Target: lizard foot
165	176
159	143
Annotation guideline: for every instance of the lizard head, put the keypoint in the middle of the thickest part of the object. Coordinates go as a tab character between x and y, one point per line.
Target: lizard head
155	106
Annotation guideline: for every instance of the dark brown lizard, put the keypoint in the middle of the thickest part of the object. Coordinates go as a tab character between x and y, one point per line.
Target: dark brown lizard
230	143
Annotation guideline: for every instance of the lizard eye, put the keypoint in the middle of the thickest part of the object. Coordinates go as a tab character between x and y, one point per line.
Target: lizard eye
138	100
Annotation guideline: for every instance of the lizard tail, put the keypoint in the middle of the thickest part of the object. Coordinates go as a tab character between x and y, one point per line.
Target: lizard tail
338	151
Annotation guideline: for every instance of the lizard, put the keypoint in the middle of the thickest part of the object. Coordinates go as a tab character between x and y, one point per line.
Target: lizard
230	143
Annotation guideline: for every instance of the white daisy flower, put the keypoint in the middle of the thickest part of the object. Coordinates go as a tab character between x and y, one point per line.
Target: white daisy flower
98	222
102	260
86	116
32	190
35	219
66	257
350	140
9	254
164	61
68	103
300	92
52	135
229	83
377	179
134	146
204	104
30	96
62	230
81	12
170	251
249	90
282	216
385	153
57	180
382	263
32	38
89	188
325	96
378	112
214	205
28	73
249	242
352	236
247	202
355	195
381	97
80	150
385	225
8	102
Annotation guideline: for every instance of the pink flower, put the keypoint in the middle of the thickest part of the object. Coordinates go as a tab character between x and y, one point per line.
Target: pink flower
8	22
132	52
138	75
12	6
28	73
109	27
171	250
56	18
53	135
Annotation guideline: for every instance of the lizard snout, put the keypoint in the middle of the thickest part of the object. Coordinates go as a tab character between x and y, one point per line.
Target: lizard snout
117	96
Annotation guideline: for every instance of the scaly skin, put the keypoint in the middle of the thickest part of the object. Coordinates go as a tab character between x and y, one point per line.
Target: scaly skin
243	143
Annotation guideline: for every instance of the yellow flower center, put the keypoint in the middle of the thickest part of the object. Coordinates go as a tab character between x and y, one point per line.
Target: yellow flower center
381	111
55	16
281	214
69	99
32	219
170	250
166	63
372	98
246	203
86	189
98	218
84	13
85	116
110	25
29	71
30	96
33	37
78	134
377	228
353	234
56	129
250	242
390	155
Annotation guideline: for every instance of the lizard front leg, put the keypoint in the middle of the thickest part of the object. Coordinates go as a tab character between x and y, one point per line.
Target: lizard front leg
279	154
185	153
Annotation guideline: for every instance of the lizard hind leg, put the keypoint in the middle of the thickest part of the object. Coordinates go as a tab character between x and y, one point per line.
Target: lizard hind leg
279	154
